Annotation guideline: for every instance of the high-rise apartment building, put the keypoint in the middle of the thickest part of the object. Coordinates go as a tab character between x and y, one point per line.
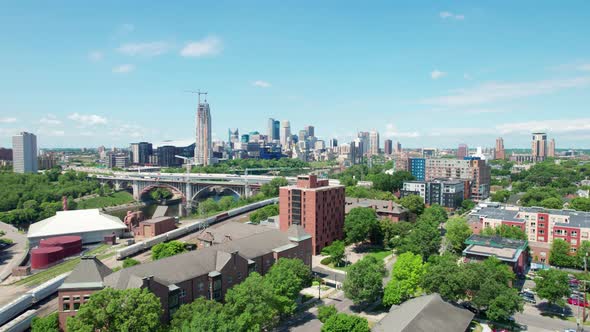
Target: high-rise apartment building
500	153
310	131
302	135
539	146
462	151
398	147
374	142
315	205
274	130
203	143
24	153
417	166
5	154
473	169
365	142
551	148
332	143
444	192
388	146
141	152
285	133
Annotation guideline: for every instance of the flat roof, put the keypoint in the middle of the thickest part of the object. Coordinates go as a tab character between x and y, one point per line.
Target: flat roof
503	254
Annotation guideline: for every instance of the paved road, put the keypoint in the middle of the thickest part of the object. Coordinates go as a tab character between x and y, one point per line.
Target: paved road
11	256
531	317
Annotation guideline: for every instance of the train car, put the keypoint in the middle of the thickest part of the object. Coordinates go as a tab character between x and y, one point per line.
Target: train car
15	307
48	288
21	323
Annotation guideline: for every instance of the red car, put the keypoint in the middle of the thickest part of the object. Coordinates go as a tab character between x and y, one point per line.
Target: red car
578	302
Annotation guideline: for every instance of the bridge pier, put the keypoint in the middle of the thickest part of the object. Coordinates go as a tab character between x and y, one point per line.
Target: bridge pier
136	190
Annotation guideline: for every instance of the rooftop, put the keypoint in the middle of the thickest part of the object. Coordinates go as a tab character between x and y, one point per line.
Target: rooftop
75	221
425	313
232	230
499	213
504	249
382	206
89	273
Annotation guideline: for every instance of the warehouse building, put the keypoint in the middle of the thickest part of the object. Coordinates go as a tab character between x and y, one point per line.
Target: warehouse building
91	225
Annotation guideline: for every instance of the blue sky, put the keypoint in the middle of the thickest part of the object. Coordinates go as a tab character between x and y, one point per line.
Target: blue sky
428	73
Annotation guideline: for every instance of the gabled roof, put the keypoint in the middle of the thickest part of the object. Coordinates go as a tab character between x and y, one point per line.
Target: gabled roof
234	230
424	314
73	222
89	273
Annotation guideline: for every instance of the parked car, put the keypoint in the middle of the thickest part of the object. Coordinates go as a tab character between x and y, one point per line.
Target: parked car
528	290
578	302
528	297
470	307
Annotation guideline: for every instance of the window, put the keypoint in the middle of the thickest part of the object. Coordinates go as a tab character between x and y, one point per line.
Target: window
574	242
77	298
541	231
239	275
217	284
201	286
574	233
86	297
66	307
541	225
533	224
230	280
573	249
182	293
65	298
76	306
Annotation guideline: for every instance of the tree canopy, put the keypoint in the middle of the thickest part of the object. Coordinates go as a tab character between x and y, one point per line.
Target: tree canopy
553	286
346	323
406	276
559	253
264	213
363	281
45	324
359	223
103	312
271	189
457	232
414	203
167	249
423	240
335	251
506	231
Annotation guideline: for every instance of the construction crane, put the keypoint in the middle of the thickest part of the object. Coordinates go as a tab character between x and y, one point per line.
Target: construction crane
198	93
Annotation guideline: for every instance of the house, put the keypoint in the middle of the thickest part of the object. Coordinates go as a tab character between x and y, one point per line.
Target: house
425	314
384	209
510	251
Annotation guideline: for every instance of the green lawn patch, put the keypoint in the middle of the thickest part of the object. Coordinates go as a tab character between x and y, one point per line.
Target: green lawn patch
118	198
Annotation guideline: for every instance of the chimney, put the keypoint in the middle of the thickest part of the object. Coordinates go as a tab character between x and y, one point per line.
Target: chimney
146	281
64	203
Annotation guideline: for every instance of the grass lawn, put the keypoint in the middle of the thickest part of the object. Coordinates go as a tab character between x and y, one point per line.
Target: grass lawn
118	198
54	271
378	253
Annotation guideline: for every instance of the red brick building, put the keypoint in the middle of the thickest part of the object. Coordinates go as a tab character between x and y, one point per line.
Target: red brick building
315	205
154	227
208	272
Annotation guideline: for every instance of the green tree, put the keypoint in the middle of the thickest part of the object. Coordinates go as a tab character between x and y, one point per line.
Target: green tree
406	276
485	280
129	262
414	203
167	249
457	232
583	251
287	277
467	205
325	312
202	315
271	189
444	276
395	233
335	251
505	231
552	285
423	240
359	224
161	193
580	204
363	281
103	312
254	305
264	213
559	253
46	324
552	203
504	305
436	213
346	323
501	196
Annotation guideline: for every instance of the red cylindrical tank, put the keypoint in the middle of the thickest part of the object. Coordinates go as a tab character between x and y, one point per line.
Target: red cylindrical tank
71	244
41	257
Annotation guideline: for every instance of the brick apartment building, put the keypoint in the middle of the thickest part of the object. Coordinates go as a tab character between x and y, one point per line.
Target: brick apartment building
315	205
541	225
208	272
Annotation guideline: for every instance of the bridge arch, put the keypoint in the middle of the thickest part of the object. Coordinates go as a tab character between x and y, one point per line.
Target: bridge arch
174	190
217	190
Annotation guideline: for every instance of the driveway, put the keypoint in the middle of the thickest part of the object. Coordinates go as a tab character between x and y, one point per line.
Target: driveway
11	257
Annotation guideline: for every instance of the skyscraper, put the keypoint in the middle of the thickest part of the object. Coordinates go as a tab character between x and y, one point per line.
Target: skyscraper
462	151
285	133
203	143
302	135
333	143
374	142
363	138
388	146
500	154
274	129
310	131
141	152
539	146
398	147
551	148
24	149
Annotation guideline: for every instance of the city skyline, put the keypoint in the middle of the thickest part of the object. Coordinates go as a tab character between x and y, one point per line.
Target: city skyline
466	79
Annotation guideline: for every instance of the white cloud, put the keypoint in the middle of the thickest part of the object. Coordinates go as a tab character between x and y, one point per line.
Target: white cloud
436	74
210	45
123	69
490	92
144	49
50	119
90	119
56	133
584	67
391	131
448	15
553	126
8	120
261	84
95	56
